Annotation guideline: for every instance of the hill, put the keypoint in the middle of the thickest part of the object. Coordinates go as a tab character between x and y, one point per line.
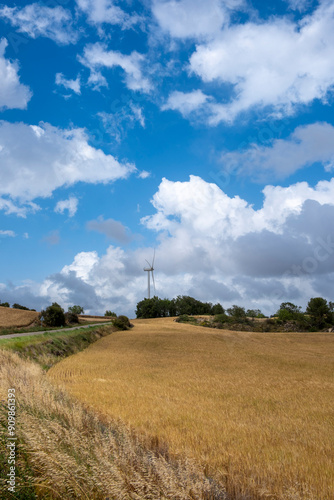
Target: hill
16	317
255	409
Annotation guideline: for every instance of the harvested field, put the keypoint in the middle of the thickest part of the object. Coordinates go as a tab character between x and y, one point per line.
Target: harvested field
95	319
255	408
16	317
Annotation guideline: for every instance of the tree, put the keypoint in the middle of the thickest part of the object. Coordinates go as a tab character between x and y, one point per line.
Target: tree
217	309
76	310
288	311
236	312
109	313
18	306
319	311
4	304
254	313
150	308
53	315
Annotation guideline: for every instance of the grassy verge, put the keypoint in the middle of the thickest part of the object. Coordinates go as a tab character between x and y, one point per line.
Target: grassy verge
49	348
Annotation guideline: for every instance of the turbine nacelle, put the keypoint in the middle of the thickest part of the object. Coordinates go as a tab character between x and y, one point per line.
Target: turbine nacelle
149	270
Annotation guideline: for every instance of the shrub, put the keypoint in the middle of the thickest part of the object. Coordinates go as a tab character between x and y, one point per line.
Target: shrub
53	315
4	304
184	318
71	318
220	318
122	322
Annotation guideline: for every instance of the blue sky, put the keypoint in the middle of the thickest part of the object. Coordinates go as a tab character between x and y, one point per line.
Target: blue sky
201	129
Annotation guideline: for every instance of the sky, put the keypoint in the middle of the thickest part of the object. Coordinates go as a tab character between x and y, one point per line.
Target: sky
201	131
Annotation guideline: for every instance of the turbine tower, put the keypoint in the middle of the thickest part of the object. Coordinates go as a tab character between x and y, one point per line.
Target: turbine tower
149	270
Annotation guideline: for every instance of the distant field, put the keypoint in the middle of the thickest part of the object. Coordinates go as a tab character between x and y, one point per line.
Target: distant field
256	409
95	319
16	317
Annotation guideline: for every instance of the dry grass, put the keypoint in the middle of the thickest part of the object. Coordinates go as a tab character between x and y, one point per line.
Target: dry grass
16	317
257	408
74	455
93	319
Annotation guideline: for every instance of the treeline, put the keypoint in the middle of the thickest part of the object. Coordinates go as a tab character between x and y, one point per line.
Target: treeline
16	306
183	304
319	313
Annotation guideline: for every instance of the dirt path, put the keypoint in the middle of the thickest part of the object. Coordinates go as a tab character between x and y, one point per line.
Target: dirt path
28	334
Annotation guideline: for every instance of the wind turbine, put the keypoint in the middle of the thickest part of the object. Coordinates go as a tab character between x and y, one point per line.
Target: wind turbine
149	270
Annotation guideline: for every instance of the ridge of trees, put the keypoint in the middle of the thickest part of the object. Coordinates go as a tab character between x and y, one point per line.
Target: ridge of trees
319	313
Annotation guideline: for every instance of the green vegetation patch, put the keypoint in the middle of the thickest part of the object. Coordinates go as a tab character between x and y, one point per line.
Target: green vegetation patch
49	348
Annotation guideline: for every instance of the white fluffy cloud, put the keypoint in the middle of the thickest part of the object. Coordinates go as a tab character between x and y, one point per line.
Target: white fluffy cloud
191	18
71	205
307	145
187	103
105	11
48	157
277	64
97	57
212	247
38	20
73	85
13	94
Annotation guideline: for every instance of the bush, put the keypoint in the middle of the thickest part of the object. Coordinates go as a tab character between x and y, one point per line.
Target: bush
184	318
4	304
53	315
220	318
71	318
122	322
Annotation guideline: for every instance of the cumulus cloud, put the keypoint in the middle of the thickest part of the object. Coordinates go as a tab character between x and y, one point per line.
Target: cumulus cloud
13	94
307	145
71	205
187	103
300	5
105	11
73	85
97	57
191	18
213	247
47	158
113	229
278	64
38	20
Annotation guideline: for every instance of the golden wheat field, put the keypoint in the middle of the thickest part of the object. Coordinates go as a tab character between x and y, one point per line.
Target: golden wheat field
16	317
255	409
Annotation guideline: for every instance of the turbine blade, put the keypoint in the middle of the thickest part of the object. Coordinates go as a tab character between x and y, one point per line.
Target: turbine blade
148	263
153	258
